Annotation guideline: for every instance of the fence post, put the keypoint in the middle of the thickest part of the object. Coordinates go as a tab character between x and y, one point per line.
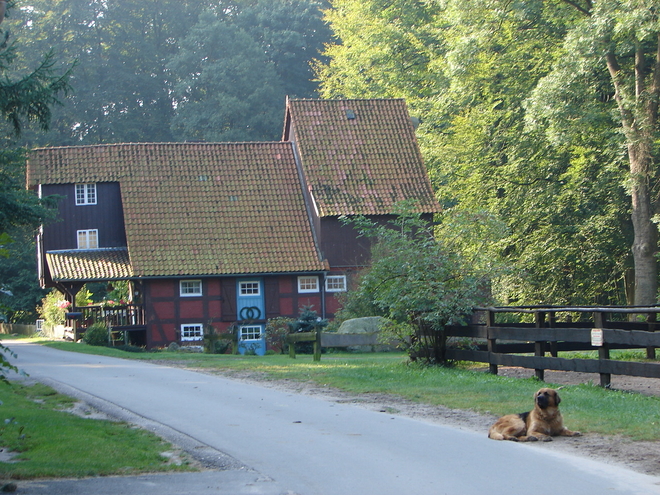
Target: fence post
539	347
651	318
292	348
317	346
603	351
492	343
552	323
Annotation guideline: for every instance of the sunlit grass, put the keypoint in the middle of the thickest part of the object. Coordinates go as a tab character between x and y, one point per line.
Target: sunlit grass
48	442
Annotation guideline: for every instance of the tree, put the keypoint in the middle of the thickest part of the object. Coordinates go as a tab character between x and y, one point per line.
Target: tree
292	33
622	39
121	88
224	83
19	290
416	284
472	76
23	98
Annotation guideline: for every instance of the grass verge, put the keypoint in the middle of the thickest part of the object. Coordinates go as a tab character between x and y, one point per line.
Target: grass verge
616	413
49	442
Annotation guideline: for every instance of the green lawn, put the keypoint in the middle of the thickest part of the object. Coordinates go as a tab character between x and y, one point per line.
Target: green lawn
49	442
618	413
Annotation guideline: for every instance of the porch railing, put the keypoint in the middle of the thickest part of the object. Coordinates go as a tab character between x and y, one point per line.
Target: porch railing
128	315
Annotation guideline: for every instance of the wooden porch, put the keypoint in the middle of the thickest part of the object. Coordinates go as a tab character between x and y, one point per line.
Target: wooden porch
127	322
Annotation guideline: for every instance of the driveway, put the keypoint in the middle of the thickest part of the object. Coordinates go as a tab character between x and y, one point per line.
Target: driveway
275	442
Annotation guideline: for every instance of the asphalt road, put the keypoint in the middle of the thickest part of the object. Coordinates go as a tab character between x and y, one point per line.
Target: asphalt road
267	441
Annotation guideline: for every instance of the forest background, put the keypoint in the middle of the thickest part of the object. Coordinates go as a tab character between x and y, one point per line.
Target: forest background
537	119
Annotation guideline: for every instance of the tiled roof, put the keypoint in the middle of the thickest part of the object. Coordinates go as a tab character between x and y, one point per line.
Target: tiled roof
359	156
93	264
198	209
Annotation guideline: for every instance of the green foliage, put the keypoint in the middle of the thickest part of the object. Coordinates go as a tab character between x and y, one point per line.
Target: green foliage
128	87
223	78
277	330
53	308
417	284
18	276
96	335
308	321
5	365
519	130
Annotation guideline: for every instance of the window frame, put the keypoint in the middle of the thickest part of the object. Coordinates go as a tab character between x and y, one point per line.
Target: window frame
309	278
187	293
250	327
86	234
254	284
329	288
197	333
86	194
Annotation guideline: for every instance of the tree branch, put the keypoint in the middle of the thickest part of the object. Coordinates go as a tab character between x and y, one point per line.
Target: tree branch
614	70
655	83
584	10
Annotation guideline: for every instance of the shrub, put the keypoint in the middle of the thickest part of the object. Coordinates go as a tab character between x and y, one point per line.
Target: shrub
96	334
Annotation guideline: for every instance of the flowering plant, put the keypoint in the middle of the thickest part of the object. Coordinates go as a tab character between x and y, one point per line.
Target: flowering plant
63	304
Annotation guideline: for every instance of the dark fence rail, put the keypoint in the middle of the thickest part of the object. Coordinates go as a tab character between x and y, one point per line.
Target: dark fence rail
553	331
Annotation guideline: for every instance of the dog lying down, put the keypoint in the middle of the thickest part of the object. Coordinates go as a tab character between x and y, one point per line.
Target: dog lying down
542	423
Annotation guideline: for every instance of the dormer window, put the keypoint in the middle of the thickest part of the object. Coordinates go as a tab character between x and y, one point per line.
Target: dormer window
85	194
88	239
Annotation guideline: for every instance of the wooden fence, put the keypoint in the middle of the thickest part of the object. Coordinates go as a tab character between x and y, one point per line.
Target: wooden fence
554	331
325	339
537	345
11	328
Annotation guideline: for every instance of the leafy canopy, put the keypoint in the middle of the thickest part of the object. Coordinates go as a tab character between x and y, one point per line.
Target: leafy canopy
415	282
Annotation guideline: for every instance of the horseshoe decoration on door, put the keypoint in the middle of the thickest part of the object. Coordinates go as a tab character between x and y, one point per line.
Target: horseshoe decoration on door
250	313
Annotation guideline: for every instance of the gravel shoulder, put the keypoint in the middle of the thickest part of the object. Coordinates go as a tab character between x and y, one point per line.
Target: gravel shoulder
643	457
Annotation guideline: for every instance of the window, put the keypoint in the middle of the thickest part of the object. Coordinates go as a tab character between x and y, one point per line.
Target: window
251	288
308	284
85	194
88	239
192	331
335	283
190	288
252	332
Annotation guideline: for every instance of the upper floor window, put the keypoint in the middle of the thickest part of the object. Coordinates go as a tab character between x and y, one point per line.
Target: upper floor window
308	284
335	283
250	288
85	194
88	239
190	288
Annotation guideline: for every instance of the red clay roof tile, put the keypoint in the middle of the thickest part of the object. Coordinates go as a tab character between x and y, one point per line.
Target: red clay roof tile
198	209
362	165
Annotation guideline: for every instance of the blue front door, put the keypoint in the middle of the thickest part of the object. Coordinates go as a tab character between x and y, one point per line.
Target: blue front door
251	313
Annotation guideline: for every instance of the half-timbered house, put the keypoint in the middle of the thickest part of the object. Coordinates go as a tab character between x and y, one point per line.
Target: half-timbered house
228	234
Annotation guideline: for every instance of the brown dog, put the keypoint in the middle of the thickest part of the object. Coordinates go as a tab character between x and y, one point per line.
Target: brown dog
542	423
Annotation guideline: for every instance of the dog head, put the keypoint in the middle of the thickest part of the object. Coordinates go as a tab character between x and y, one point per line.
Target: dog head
547	397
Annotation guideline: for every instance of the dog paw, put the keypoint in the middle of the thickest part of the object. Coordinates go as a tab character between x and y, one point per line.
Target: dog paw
531	439
546	439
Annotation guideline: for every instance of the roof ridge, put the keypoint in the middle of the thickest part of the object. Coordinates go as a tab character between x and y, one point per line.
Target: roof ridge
173	144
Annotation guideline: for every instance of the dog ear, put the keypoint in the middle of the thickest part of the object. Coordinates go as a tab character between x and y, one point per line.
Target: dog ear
557	399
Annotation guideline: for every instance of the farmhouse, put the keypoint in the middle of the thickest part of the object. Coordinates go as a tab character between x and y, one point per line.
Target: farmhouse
227	234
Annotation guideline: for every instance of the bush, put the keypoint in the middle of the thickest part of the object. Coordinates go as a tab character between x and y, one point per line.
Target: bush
96	334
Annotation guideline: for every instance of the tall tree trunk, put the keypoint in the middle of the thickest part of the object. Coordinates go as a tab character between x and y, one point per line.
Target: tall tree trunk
645	241
639	120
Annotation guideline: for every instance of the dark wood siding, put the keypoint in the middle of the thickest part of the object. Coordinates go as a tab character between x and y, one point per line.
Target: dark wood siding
106	216
341	245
